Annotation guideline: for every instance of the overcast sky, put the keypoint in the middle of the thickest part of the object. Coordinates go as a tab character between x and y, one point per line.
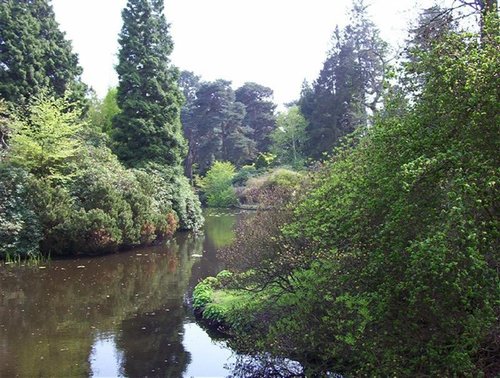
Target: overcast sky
277	43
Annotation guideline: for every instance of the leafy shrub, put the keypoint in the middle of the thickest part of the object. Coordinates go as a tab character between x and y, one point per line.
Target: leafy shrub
217	185
265	160
20	230
171	190
404	220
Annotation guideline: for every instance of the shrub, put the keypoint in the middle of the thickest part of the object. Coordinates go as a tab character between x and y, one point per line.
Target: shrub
217	185
20	229
171	191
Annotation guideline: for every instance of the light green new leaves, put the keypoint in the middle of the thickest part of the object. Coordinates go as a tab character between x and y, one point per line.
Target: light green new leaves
45	140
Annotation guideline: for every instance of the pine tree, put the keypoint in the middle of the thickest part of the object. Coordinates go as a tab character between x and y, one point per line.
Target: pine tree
34	54
349	85
260	117
216	124
148	129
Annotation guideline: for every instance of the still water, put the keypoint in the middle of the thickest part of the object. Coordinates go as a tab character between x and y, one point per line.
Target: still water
124	315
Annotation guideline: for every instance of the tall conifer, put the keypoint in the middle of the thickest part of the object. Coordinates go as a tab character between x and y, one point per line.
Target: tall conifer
148	128
349	86
34	54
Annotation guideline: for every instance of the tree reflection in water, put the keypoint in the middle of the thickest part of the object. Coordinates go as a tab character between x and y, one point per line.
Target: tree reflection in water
265	366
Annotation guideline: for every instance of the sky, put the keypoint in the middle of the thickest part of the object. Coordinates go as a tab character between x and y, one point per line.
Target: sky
276	43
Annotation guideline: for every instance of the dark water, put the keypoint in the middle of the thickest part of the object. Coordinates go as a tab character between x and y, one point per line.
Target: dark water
119	315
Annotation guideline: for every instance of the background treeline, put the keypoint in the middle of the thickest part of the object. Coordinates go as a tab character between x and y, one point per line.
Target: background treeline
80	175
386	263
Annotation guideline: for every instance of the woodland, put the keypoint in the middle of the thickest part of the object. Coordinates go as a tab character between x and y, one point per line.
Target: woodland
373	250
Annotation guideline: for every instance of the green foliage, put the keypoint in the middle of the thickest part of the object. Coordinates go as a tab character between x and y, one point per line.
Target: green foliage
103	208
214	121
244	173
217	185
403	228
289	137
20	230
265	160
223	124
148	128
35	56
101	113
44	141
259	113
64	192
4	127
222	305
259	187
172	189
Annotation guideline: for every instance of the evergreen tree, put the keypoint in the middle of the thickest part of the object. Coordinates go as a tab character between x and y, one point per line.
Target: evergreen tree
34	54
148	128
218	133
189	83
260	117
349	85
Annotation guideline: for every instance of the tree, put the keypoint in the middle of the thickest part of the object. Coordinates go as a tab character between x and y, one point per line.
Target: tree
405	222
290	136
4	129
216	121
148	129
260	117
189	83
217	185
350	84
44	141
102	112
34	54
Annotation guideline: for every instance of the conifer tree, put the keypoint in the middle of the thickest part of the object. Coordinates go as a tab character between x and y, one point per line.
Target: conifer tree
217	132
260	117
148	128
349	85
34	54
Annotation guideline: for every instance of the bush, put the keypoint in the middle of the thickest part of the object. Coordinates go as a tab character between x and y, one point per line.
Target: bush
171	190
20	229
44	141
257	188
217	185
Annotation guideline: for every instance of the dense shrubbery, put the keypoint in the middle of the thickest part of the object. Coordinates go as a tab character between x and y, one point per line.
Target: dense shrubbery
20	230
404	222
64	192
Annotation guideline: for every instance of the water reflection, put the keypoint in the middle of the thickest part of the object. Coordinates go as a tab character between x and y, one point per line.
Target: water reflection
118	315
106	359
205	351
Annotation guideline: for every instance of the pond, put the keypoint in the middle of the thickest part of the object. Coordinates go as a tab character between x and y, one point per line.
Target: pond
125	314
